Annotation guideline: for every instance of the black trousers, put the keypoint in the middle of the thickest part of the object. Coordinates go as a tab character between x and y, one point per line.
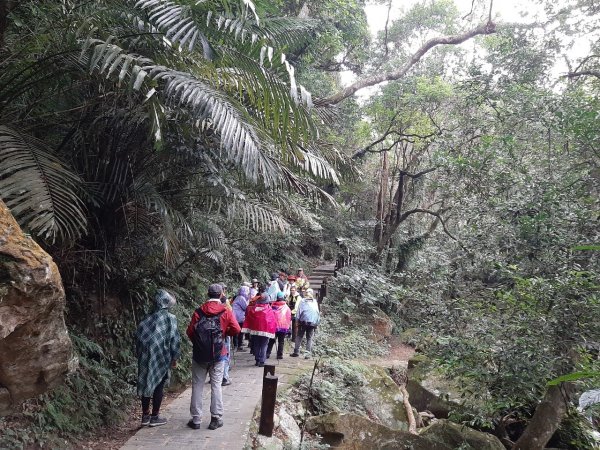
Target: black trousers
157	398
238	340
280	337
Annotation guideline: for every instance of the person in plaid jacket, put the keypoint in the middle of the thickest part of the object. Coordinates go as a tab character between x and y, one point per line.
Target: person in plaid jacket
157	348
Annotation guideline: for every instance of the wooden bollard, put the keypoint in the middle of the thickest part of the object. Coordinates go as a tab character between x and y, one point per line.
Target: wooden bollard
267	407
268	369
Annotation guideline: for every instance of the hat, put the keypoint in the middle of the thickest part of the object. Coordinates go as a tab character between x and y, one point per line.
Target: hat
300	269
280	295
274	276
292	278
215	289
254	280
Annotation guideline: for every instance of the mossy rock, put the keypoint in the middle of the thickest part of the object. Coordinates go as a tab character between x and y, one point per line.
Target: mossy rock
455	435
354	432
425	400
382	398
415	360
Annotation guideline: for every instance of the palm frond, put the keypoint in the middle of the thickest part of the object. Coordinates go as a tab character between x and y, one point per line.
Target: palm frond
41	192
256	216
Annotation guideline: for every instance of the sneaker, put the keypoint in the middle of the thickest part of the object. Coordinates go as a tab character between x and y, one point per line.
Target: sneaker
156	421
294	355
145	420
192	425
306	356
215	423
279	356
226	382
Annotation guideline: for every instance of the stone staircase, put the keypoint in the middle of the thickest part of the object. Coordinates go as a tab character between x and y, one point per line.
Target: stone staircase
317	275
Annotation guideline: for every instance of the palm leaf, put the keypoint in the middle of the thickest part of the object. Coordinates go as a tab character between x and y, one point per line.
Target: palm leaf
40	190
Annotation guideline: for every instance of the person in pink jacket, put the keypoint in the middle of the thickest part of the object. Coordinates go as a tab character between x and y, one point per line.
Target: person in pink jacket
260	322
283	316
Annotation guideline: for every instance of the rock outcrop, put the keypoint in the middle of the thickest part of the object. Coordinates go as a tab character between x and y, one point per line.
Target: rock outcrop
35	349
456	436
354	432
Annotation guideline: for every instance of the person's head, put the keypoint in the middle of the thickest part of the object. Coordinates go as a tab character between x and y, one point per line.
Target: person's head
215	291
303	292
282	276
244	292
280	296
292	278
300	271
309	293
292	289
261	288
164	299
254	282
264	298
274	276
247	284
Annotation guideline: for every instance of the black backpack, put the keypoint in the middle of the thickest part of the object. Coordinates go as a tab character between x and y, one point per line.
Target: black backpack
208	338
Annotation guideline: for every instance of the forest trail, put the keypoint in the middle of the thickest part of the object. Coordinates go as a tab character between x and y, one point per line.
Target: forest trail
239	400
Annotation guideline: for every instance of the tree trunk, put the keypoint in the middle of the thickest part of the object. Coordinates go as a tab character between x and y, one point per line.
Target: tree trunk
546	419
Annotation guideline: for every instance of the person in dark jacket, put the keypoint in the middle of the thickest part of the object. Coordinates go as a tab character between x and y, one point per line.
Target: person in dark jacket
229	327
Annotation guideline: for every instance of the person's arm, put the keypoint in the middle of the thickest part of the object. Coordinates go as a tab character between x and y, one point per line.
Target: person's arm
190	328
233	327
175	341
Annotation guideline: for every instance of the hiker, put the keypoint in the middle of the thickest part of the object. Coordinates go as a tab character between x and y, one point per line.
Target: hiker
254	287
260	290
207	330
240	303
301	279
282	281
294	300
283	319
157	349
308	317
273	287
261	324
225	301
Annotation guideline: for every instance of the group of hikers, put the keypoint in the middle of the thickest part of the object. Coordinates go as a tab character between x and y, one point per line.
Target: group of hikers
263	314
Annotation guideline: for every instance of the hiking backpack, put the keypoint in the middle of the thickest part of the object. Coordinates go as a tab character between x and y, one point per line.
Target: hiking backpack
208	338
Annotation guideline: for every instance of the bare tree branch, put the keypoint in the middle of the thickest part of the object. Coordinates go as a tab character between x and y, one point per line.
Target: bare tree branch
437	214
483	29
583	73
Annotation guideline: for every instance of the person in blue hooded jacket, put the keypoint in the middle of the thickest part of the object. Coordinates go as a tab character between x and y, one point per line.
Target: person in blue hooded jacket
157	348
240	304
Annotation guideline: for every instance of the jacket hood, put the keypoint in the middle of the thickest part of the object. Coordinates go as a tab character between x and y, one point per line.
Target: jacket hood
163	300
278	304
213	308
244	292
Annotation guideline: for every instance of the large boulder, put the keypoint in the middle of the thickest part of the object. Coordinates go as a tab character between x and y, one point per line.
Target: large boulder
354	432
35	349
424	399
382	399
460	436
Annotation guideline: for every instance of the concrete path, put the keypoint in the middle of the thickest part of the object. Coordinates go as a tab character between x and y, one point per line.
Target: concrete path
239	400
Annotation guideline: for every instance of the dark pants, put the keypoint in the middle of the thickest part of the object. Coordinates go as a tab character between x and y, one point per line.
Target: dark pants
310	331
156	398
238	340
280	337
259	344
294	329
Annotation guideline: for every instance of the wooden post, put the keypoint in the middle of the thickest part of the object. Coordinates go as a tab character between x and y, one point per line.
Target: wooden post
268	369
267	407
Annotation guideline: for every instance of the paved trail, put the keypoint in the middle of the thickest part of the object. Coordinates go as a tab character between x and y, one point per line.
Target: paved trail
239	402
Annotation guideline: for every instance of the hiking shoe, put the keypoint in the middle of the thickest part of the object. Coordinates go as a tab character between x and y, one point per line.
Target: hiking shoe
215	423
294	355
156	421
279	356
306	356
192	425
261	364
145	420
226	382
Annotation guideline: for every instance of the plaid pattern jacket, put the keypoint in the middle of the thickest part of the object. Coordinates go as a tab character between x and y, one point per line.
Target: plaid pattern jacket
157	344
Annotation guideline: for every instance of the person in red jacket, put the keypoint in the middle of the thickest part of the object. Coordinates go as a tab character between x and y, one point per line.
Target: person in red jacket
261	323
229	327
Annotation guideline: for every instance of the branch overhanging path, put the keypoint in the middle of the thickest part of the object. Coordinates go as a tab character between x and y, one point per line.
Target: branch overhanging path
484	29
